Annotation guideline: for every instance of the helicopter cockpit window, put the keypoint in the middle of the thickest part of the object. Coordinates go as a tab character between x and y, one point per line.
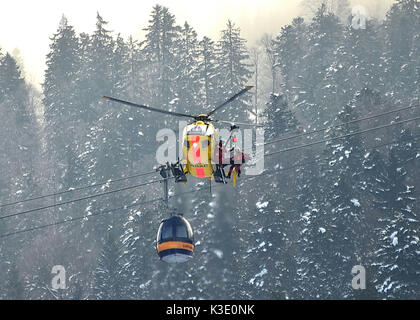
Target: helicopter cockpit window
196	131
181	230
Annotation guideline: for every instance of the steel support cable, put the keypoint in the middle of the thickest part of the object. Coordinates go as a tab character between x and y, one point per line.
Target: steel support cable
266	143
79	199
76	189
343	136
340	125
269	154
173	196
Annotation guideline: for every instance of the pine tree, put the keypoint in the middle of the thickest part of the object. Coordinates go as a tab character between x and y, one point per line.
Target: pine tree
15	92
343	221
20	138
401	27
136	80
83	84
271	248
324	37
62	69
340	8
121	67
310	275
160	45
14	286
138	254
64	114
108	283
78	291
187	70
105	152
290	48
234	70
356	66
399	225
209	72
101	54
280	119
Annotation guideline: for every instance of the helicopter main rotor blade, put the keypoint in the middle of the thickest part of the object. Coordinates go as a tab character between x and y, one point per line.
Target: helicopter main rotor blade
240	123
149	108
231	99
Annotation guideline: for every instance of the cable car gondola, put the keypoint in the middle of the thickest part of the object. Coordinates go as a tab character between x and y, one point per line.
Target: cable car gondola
175	240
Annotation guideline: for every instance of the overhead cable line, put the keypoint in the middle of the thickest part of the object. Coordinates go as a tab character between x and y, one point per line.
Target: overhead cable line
302	165
77	189
95	214
340	125
147	173
268	172
343	136
77	218
268	154
80	199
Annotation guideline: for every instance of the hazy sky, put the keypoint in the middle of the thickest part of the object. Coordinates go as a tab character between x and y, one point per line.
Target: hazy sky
27	24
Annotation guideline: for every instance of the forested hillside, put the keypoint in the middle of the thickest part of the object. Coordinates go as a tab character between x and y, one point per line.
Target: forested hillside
293	232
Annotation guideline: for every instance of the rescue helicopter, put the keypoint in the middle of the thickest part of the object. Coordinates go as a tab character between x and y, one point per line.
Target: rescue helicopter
200	142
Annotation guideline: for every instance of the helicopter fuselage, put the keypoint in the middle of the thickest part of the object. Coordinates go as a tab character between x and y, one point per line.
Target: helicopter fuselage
199	141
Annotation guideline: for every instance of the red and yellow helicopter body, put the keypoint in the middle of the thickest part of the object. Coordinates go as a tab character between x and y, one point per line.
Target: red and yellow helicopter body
199	142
